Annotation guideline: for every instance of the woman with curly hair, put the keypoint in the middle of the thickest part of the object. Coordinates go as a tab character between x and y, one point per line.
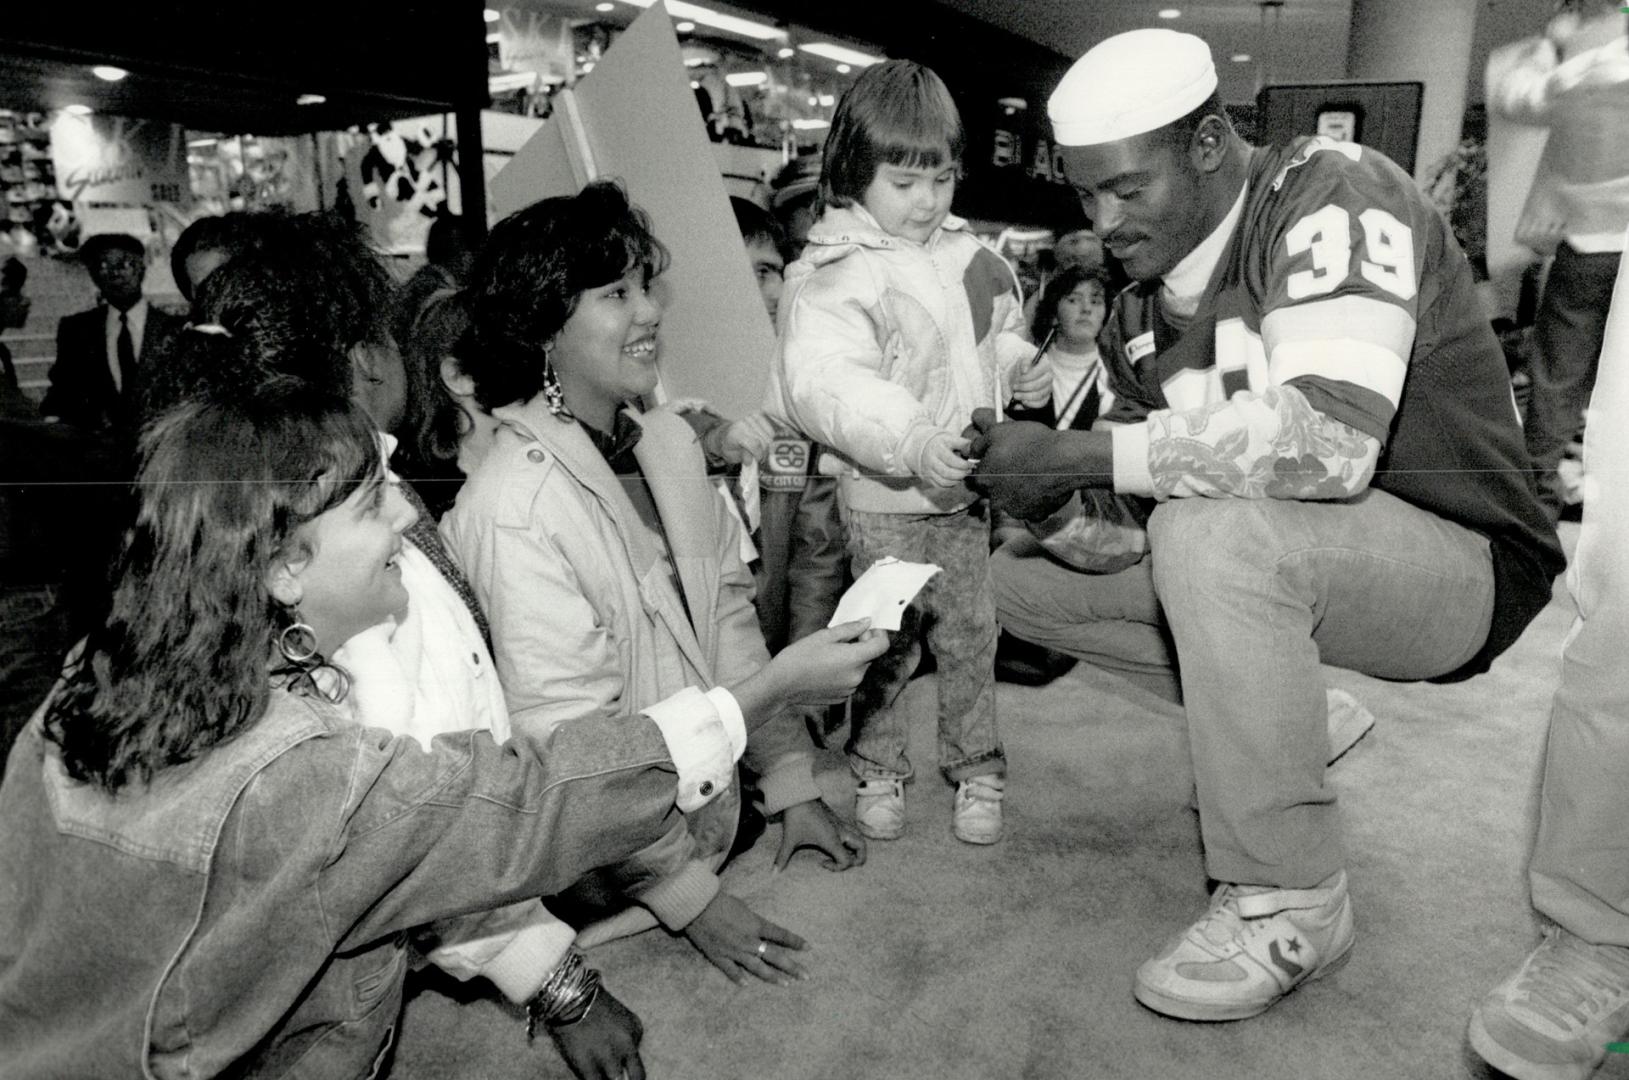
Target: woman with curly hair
210	867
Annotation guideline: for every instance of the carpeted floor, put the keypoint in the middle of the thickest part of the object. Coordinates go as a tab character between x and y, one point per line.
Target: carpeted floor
938	959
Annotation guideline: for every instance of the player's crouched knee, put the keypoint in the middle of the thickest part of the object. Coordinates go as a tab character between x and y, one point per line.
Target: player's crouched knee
1191	540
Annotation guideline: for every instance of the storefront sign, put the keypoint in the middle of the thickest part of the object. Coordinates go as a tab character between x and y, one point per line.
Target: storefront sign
112	159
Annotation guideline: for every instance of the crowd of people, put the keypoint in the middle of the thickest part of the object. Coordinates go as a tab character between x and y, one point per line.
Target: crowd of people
432	629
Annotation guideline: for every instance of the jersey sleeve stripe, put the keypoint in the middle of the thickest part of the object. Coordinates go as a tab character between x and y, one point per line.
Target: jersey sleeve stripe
1371	367
1360	318
1349	404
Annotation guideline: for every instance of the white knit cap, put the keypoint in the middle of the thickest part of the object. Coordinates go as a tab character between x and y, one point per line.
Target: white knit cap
1128	84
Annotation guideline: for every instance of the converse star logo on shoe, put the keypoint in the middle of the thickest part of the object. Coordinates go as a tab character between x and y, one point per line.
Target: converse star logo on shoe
1284	963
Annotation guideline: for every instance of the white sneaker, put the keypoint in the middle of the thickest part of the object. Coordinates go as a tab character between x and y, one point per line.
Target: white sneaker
1252	947
1555	1018
879	807
977	817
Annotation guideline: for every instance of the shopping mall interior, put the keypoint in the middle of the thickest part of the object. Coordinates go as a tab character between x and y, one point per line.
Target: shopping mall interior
935	957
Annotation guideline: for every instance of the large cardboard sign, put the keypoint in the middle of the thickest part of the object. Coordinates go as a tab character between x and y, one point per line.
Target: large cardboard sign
633	118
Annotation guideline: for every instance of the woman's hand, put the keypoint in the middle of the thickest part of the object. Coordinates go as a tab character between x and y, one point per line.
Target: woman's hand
737	942
604	1045
1032	383
814	824
827	666
944	461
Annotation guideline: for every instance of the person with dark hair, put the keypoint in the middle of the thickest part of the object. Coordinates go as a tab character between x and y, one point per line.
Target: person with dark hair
608	563
202	754
450	246
209	242
1314	418
794	200
898	324
105	354
304	278
1067	320
444	434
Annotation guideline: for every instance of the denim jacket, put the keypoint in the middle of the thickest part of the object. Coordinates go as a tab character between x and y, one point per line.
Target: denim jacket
247	912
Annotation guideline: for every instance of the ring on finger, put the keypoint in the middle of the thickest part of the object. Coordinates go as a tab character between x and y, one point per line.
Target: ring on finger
763	947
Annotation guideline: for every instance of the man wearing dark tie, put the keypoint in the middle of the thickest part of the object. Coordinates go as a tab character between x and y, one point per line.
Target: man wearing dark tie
101	352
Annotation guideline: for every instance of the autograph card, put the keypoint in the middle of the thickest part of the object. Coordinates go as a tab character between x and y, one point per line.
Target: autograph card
882	592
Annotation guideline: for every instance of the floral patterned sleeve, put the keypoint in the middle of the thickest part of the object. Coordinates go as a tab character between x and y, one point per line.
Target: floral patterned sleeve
1272	444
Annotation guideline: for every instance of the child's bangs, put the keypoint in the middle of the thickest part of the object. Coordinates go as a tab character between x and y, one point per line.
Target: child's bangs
910	150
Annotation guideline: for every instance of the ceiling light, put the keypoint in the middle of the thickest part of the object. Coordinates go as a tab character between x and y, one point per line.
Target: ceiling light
604	7
786	53
747	78
494	39
199	144
684	27
694	85
840	54
810	125
491	15
828	100
679	9
843	69
1240	58
1170	13
696	61
77	109
109	73
587	67
310	99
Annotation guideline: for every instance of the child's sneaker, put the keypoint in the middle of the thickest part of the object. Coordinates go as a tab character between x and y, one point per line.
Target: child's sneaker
1252	947
879	807
1553	1018
977	817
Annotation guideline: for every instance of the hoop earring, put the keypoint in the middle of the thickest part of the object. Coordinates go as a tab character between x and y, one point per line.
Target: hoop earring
553	395
298	642
306	670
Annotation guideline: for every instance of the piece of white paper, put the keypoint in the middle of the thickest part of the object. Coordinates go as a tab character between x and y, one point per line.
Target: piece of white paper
882	593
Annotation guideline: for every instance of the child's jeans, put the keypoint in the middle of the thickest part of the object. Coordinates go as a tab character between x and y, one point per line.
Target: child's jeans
956	611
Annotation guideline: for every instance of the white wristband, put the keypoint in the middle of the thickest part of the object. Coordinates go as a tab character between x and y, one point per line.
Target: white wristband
699	742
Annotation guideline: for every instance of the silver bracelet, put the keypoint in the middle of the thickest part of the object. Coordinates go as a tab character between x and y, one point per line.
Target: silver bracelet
565	997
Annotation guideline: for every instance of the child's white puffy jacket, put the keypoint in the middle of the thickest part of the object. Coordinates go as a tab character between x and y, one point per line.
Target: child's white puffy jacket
885	343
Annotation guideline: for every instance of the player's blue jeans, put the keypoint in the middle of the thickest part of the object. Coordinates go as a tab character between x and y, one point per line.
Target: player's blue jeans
956	613
1252	595
1580	870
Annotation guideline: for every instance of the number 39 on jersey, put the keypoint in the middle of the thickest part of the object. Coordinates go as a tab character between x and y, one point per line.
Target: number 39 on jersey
1384	259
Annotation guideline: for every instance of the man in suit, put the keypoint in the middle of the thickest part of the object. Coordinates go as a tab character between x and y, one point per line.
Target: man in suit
100	352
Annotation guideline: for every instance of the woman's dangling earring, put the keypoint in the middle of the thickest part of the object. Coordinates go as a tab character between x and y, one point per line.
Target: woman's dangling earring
298	642
308	672
553	395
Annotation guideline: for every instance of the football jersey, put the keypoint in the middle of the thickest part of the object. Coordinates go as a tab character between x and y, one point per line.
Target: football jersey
1336	244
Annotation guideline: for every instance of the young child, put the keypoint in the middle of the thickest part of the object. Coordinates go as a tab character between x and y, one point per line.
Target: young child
897	324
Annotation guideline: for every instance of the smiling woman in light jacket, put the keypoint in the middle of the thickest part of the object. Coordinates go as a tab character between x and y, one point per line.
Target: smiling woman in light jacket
608	564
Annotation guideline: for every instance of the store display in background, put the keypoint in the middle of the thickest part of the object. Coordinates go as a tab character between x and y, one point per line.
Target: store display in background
118	160
250	172
400	175
27	183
